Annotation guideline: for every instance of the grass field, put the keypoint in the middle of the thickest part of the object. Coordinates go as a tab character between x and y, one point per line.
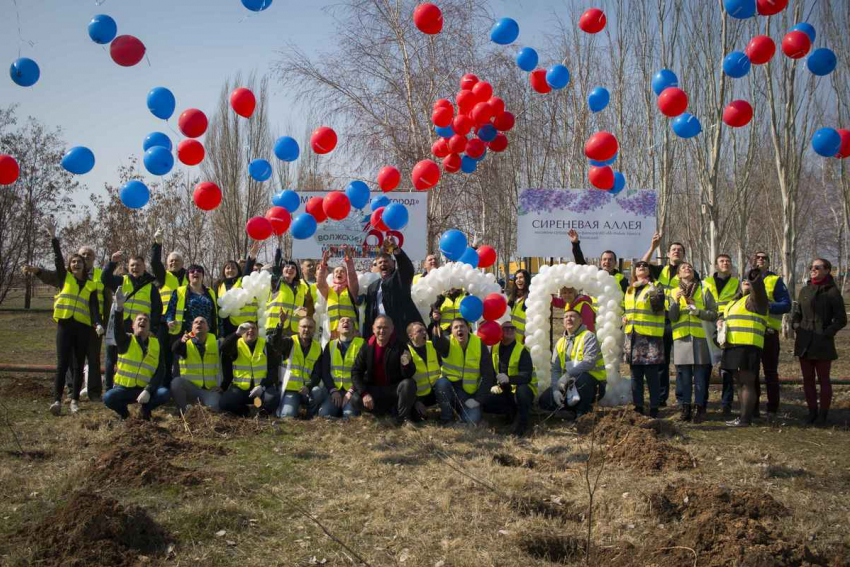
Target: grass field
211	490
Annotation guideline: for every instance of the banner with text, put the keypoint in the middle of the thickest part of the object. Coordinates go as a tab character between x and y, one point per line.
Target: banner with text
623	223
356	232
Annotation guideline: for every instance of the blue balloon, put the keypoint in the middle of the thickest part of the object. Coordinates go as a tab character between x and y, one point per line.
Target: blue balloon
686	125
619	183
822	62
135	194
158	160
504	32
446	132
740	9
286	149
380	201
395	216
826	142
558	76
468	165
453	244
736	64
663	79
487	133
303	226
526	59
469	256
102	29
595	163
260	170
157	139
358	194
598	99
807	29
256	5
25	72
288	199
78	160
161	102
471	307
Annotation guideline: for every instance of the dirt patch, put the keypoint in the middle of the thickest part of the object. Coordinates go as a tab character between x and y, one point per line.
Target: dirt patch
554	548
88	529
507	460
552	509
30	455
34	388
202	422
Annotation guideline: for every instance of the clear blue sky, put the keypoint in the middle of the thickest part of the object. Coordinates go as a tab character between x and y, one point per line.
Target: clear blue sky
192	45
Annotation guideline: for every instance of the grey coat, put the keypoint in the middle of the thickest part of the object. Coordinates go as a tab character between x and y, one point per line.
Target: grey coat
692	350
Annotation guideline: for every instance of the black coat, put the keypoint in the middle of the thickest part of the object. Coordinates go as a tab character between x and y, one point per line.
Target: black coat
397	301
363	375
818	315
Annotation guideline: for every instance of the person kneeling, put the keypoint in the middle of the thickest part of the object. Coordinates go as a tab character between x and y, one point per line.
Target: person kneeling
303	371
427	368
199	368
334	396
383	374
466	366
255	363
139	373
577	360
516	382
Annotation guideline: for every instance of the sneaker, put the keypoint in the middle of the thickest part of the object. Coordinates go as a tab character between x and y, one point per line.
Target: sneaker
56	408
737	422
75	406
84	392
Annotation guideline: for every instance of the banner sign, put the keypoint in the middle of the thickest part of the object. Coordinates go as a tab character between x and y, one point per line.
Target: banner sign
355	231
623	223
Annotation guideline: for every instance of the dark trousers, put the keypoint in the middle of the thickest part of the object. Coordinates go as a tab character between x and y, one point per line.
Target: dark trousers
397	399
652	373
728	394
93	360
72	338
237	401
508	402
111	362
664	373
169	364
770	368
588	392
810	367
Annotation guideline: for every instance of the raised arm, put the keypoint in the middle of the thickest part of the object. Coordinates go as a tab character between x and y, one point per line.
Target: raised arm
108	277
351	274
322	275
156	259
656	240
578	255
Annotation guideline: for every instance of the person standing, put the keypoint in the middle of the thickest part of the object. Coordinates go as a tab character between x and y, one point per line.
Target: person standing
334	396
607	261
446	309
290	295
516	301
723	287
516	382
569	299
200	368
390	295
818	316
342	295
169	277
231	277
308	274
432	262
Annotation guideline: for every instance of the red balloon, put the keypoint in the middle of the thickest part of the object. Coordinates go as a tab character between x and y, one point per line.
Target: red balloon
490	333
426	174
462	124
504	121
193	123
451	163
440	148
126	50
537	78
499	143
844	150
475	148
323	140
738	113
243	102
796	44
760	50
497	104
602	146
482	113
483	91
672	101
259	228
428	18
388	178
592	21
486	258
9	169
443	102
336	205
457	144
207	196
377	221
465	101
602	177
280	219
468	81
770	7
494	304
316	207
190	152
442	116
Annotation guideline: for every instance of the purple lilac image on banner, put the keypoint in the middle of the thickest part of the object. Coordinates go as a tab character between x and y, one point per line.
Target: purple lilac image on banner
640	202
545	200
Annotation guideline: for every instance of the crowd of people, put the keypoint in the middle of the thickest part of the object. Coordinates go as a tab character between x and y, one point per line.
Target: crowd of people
166	341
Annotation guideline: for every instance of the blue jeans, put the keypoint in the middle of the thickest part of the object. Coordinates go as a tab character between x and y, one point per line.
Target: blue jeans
694	383
652	373
728	394
118	398
451	396
327	408
289	405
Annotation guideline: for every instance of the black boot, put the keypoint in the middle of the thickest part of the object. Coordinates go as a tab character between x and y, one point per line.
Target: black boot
822	413
639	409
813	417
686	412
653	412
520	428
700	414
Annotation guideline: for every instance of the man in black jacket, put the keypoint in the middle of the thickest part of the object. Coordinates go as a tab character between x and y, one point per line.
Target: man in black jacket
382	374
390	295
516	384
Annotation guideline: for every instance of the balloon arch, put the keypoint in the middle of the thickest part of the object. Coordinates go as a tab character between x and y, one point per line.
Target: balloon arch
453	275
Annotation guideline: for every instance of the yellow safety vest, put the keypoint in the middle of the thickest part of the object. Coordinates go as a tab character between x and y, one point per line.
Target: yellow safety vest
518	319
140	302
513	364
248	313
181	308
688	325
250	368
201	371
773	321
577	355
314	291
728	293
341	365
416	278
640	316
171	285
301	367
136	368
664	279
449	311
289	301
72	301
464	366
743	327
340	305
427	369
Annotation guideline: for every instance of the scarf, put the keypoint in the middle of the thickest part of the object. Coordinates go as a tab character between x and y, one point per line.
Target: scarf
688	289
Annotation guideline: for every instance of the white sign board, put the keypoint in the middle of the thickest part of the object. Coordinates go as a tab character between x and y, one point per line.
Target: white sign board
623	223
356	232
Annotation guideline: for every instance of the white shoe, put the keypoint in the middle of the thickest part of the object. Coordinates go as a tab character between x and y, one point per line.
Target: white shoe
56	408
75	407
84	392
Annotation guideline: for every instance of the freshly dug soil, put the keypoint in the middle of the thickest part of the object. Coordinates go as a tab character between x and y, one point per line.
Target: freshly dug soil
205	423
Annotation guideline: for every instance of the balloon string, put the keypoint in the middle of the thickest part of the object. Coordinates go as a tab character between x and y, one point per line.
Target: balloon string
20	33
148	59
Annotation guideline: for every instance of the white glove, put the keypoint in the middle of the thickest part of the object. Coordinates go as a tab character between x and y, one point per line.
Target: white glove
100	330
119	299
503	379
157	236
144	397
242	329
562	383
495	390
257	392
558	397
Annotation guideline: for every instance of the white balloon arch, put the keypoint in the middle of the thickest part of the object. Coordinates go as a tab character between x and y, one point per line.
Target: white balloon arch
454	275
592	281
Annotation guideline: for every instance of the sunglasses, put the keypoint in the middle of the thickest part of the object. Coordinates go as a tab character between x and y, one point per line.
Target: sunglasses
196	271
761	257
641	265
819	267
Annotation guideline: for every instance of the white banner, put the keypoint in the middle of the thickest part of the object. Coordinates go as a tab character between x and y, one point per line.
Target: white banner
355	230
623	223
